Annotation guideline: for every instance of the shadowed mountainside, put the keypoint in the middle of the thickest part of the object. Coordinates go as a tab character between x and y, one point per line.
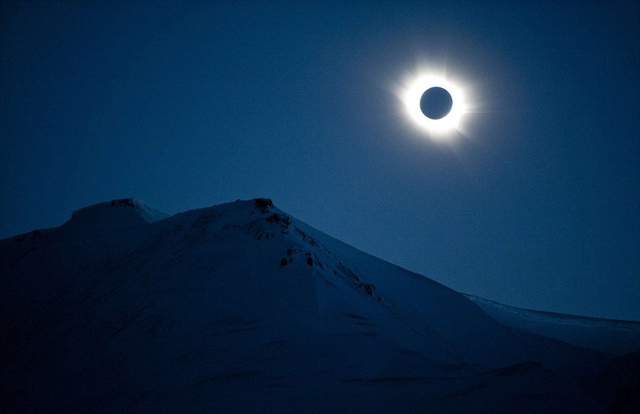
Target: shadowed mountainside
243	308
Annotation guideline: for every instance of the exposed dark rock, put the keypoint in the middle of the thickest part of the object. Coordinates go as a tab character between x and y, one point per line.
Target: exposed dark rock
127	202
263	204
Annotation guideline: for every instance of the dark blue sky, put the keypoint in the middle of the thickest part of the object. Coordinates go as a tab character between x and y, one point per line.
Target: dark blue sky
189	104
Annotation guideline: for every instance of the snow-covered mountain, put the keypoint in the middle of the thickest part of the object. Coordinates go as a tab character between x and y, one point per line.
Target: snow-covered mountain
607	335
243	308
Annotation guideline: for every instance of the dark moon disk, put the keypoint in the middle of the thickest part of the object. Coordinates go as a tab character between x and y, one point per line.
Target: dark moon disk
436	103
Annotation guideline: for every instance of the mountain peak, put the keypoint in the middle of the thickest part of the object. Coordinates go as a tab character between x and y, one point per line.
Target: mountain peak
264	204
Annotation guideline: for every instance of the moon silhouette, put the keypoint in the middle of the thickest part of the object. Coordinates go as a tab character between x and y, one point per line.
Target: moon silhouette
436	103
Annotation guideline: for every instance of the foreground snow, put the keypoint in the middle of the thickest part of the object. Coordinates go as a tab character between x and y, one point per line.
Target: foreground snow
242	308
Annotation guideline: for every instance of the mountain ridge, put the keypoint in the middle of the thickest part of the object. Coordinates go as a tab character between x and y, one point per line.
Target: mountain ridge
211	304
613	336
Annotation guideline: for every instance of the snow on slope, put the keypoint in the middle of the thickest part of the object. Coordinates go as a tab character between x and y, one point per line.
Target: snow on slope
611	336
242	308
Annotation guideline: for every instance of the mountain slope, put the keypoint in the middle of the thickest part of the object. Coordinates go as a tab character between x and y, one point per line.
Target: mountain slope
242	308
606	335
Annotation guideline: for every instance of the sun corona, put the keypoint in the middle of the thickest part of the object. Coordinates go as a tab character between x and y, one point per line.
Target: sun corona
437	128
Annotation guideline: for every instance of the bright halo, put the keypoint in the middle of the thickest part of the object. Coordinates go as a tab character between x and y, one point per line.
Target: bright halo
438	128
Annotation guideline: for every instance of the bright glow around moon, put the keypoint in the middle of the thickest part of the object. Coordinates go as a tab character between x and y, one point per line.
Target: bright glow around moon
436	128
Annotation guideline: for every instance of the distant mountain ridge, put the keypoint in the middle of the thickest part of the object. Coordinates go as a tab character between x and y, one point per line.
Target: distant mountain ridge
242	308
612	336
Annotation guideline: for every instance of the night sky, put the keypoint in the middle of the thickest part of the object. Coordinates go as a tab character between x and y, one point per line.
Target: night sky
534	201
